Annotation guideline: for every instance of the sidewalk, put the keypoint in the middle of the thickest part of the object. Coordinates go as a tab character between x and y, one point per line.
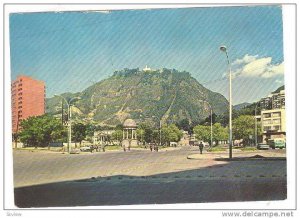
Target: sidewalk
239	155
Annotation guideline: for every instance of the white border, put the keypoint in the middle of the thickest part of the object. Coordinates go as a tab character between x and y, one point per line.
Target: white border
289	59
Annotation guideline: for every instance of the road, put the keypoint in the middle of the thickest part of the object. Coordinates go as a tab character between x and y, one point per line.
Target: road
46	179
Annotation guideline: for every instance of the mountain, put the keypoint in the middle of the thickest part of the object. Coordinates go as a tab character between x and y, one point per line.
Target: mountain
279	89
163	94
241	106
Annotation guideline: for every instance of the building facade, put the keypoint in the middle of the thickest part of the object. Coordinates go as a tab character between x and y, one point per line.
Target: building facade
273	124
27	99
273	101
272	116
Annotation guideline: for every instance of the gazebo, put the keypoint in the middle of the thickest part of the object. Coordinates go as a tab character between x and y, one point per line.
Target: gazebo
129	134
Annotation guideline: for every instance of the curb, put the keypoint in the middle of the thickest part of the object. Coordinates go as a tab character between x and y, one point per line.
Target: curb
239	158
252	159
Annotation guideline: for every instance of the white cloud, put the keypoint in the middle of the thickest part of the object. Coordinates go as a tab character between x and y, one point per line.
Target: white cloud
252	66
246	59
279	81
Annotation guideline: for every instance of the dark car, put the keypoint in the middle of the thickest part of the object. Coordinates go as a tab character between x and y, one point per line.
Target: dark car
263	146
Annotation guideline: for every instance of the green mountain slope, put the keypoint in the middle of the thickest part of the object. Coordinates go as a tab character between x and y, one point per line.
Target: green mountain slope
164	94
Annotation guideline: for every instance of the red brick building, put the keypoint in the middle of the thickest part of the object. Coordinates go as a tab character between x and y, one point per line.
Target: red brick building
28	99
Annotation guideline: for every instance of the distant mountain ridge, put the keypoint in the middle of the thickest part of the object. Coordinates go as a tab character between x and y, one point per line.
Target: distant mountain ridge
166	95
279	89
241	106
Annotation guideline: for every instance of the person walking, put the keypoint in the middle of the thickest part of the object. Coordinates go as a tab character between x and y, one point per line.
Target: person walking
201	147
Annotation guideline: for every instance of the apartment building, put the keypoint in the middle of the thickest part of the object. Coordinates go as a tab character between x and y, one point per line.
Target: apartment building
273	123
27	99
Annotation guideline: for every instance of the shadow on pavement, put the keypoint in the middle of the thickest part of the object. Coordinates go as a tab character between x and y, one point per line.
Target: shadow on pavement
251	158
229	182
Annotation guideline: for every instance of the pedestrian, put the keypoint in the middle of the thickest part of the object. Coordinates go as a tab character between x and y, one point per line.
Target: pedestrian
201	147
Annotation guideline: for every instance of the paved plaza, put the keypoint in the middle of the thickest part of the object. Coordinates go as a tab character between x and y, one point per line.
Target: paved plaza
44	179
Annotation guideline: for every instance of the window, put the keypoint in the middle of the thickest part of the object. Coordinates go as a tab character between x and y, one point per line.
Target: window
20	102
277	121
267	115
277	114
266	128
276	127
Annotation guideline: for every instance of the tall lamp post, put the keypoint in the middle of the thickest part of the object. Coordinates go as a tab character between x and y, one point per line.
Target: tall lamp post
224	49
69	119
255	110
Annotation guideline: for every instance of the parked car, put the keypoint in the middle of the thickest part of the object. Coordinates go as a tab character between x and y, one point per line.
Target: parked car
86	148
263	146
205	144
277	143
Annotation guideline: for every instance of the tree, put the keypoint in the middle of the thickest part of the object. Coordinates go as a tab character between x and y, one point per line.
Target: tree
220	133
79	132
117	135
208	119
170	133
202	133
41	130
89	129
147	132
244	127
185	125
140	135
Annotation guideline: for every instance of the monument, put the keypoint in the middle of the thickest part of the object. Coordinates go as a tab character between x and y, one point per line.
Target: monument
129	134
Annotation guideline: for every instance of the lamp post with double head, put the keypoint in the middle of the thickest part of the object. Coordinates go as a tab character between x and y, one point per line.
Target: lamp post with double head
224	49
69	119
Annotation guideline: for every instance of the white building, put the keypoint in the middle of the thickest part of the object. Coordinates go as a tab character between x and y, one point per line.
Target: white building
273	124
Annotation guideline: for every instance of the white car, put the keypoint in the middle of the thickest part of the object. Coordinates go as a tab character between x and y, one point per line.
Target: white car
205	144
85	148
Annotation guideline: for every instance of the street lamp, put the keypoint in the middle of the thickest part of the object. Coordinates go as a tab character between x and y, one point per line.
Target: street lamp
69	119
224	49
255	110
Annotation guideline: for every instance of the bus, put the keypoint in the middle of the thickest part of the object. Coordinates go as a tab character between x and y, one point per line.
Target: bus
277	143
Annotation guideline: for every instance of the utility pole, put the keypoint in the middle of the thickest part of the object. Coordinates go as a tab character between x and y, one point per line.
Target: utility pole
224	49
69	119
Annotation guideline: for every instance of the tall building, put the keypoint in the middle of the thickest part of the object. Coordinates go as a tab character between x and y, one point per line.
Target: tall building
27	98
266	103
273	101
273	116
278	100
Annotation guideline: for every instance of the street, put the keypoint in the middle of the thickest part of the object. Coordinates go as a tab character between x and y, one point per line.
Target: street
50	179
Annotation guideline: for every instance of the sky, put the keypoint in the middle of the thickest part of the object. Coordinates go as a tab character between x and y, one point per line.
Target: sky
72	50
